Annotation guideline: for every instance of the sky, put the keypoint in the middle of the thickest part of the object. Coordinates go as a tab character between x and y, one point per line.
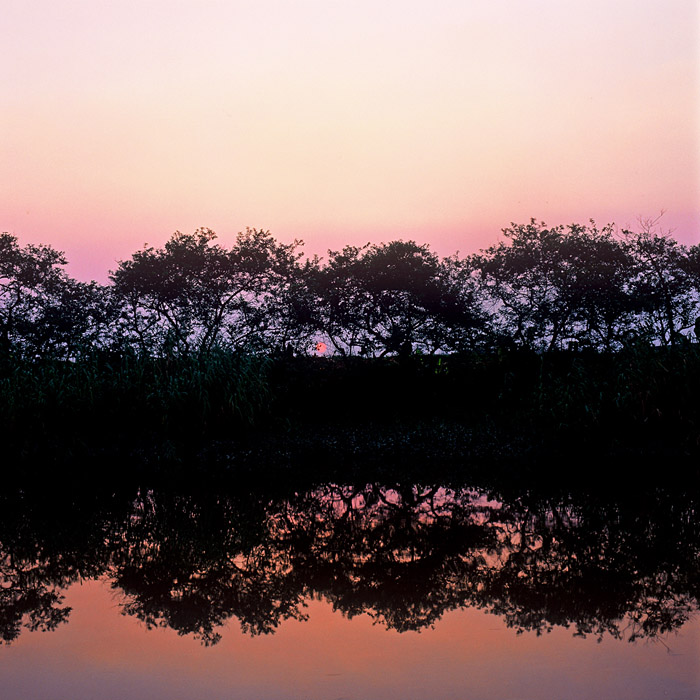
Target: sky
343	121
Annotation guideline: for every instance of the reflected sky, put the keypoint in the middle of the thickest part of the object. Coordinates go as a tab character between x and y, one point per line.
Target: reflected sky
467	654
365	590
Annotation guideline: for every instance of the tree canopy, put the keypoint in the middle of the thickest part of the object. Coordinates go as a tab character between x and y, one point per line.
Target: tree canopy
542	288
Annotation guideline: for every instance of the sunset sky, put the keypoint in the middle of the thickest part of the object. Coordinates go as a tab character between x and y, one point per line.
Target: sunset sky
343	121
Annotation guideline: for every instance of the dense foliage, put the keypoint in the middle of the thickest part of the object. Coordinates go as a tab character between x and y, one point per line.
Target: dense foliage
556	336
543	289
620	561
515	430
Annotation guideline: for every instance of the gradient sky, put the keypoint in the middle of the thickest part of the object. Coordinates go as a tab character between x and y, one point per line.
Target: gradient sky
343	121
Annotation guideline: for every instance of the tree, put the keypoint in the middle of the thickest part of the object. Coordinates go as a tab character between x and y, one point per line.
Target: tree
692	269
463	323
43	311
550	285
393	298
665	282
193	295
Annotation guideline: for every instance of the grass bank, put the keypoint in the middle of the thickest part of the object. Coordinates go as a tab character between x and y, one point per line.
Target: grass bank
642	401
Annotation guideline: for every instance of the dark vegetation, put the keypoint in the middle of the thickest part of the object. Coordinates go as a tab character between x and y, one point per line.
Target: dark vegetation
613	559
557	339
516	430
544	289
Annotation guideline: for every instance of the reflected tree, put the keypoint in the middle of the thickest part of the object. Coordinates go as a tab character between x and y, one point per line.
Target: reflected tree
404	554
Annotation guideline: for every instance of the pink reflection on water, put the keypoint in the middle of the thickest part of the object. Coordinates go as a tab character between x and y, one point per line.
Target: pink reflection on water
468	654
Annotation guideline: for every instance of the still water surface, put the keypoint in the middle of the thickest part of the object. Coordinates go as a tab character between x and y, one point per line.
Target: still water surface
469	654
351	591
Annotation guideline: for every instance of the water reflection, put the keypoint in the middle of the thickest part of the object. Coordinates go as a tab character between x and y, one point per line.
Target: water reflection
624	564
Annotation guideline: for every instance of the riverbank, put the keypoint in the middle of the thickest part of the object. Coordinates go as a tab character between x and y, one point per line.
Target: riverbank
487	409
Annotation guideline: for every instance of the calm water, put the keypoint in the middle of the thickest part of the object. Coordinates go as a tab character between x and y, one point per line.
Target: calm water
371	590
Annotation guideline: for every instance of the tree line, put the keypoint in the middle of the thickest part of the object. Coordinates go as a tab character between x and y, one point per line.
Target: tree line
542	288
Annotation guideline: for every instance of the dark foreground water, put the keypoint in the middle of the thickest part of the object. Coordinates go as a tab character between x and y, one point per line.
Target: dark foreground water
222	589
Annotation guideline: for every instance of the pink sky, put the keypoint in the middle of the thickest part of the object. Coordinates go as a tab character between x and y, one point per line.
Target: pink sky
343	121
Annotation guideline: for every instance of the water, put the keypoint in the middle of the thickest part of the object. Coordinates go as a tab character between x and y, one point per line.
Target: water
469	654
350	590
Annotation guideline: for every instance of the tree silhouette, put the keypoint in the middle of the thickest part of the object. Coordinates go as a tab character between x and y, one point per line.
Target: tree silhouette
393	298
44	312
663	282
551	285
192	295
599	562
545	288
